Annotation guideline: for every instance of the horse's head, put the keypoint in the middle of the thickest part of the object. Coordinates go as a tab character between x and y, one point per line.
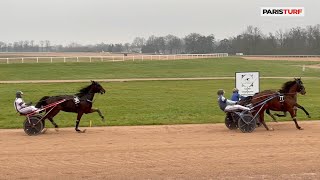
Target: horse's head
96	88
300	87
295	86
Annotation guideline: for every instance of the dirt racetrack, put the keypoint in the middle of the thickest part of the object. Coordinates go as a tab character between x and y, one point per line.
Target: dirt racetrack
208	151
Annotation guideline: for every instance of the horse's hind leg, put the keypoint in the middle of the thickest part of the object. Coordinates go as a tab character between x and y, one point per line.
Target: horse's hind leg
272	116
262	121
53	123
281	115
50	116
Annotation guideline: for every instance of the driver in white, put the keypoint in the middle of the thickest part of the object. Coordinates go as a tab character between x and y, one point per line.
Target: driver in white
21	106
228	105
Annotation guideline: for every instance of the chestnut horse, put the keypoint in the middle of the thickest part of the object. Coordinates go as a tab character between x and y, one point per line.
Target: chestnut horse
283	100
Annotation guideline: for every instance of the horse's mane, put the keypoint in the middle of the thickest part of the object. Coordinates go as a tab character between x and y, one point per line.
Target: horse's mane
286	86
84	90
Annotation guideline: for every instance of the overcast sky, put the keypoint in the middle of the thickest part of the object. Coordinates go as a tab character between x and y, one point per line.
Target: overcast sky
120	21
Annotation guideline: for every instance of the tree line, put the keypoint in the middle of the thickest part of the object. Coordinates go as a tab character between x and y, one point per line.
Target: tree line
251	41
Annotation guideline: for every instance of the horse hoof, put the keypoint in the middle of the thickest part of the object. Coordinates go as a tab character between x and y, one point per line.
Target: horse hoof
79	131
309	116
44	130
300	128
57	130
271	129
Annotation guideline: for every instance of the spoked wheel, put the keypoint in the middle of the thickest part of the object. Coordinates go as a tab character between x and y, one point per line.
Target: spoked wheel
229	122
246	123
39	116
34	127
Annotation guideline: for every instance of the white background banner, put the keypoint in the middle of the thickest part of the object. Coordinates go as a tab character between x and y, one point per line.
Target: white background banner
248	83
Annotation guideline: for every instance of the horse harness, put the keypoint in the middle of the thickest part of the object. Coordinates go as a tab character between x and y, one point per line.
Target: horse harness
281	98
77	100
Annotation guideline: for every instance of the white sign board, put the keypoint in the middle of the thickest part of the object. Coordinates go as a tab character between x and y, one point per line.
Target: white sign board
248	83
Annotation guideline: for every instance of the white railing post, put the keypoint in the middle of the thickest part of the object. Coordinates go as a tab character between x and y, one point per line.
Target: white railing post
101	58
123	58
142	57
51	59
37	59
22	60
7	60
90	59
64	59
132	58
77	59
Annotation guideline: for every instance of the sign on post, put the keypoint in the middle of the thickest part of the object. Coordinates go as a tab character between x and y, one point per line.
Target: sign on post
248	83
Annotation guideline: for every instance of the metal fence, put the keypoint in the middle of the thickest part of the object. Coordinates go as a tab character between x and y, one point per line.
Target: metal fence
61	59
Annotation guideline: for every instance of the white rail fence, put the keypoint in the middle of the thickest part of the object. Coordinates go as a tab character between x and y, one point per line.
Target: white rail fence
281	56
12	60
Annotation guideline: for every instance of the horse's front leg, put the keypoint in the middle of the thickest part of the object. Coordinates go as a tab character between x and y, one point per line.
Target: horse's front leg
304	110
294	118
78	121
99	112
271	115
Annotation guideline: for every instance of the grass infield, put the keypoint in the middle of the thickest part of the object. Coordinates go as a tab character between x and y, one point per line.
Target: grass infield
217	67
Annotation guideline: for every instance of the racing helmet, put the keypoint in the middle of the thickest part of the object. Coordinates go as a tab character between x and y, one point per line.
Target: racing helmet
19	94
220	92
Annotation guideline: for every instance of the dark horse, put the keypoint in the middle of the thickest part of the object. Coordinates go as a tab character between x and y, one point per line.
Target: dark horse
79	103
283	100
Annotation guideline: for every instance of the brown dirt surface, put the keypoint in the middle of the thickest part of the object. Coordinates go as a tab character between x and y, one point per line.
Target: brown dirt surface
257	58
208	151
316	66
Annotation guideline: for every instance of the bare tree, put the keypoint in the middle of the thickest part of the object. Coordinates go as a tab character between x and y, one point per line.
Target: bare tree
47	45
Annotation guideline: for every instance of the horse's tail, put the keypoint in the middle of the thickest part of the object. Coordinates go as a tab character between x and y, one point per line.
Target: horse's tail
42	102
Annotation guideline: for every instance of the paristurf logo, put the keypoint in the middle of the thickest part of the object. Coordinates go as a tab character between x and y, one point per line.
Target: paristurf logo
282	11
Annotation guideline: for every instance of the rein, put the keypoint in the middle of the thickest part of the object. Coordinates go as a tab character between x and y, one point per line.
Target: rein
274	94
264	101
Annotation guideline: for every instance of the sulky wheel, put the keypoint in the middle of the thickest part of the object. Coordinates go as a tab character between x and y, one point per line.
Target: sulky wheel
39	116
246	123
34	127
229	122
